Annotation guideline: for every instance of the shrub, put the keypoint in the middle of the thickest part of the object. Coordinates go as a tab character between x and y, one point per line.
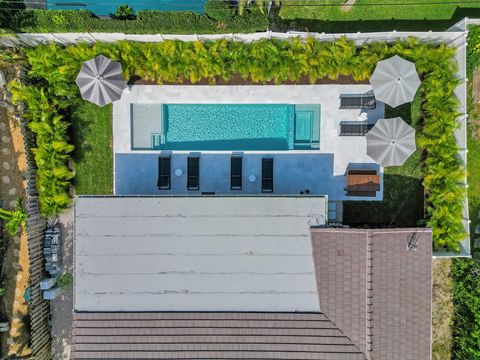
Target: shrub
53	69
466	300
123	12
146	22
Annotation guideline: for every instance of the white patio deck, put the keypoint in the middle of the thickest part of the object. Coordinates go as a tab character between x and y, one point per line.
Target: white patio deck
321	171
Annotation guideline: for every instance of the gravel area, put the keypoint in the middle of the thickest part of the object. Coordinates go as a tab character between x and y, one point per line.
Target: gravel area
62	307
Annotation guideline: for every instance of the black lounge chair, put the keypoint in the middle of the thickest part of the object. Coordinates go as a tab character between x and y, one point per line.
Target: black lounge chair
357	101
164	172
193	173
355	128
267	175
236	173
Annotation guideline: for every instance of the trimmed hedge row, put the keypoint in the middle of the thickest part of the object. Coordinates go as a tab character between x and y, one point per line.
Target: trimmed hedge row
53	69
146	22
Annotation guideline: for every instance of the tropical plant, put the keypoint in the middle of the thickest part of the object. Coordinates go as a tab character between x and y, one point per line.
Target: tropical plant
14	219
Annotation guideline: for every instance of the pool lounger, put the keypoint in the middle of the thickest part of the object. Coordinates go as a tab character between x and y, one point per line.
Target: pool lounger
267	175
236	173
357	101
193	173
164	172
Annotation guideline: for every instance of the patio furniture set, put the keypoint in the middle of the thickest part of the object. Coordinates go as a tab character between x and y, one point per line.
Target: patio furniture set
193	173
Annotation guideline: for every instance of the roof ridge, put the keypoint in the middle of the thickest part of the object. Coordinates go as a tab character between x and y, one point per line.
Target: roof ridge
369	285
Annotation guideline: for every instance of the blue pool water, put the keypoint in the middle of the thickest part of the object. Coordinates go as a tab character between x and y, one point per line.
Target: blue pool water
228	126
106	7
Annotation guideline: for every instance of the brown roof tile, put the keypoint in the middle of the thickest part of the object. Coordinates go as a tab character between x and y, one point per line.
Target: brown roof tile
375	290
210	336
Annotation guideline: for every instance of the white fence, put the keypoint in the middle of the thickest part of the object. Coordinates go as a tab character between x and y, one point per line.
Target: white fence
455	36
359	38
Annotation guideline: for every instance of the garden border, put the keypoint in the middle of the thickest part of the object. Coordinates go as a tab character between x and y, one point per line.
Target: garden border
456	36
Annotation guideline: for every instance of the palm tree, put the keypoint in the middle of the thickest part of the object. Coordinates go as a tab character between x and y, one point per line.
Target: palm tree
14	218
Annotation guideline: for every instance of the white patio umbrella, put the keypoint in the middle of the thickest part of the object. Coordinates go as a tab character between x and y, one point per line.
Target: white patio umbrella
391	142
100	80
395	81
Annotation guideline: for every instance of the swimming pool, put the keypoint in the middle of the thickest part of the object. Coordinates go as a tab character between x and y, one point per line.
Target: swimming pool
105	7
228	127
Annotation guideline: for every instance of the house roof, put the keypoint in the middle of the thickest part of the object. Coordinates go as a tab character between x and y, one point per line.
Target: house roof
197	336
196	253
372	288
376	290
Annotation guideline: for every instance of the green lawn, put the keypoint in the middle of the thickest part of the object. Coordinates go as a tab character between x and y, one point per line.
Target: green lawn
373	15
92	134
402	204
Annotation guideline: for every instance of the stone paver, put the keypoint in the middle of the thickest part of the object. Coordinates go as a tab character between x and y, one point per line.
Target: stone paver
5	179
12	191
6	165
6	139
6	151
12	204
16	252
16	239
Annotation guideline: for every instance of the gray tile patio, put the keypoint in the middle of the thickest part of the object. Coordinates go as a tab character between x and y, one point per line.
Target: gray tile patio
137	174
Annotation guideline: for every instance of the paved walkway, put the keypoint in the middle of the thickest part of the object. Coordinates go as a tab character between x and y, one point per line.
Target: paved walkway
62	307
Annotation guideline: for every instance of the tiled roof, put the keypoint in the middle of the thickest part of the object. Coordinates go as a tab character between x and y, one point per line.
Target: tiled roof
210	336
340	260
376	290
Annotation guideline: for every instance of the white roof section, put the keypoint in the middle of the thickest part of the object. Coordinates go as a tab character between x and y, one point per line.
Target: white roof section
196	253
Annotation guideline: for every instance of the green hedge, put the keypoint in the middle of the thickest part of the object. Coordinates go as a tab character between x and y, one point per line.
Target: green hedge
466	300
53	69
146	22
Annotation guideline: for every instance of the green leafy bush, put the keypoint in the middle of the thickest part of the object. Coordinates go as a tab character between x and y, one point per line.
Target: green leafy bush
123	12
146	22
48	122
53	69
466	300
14	218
